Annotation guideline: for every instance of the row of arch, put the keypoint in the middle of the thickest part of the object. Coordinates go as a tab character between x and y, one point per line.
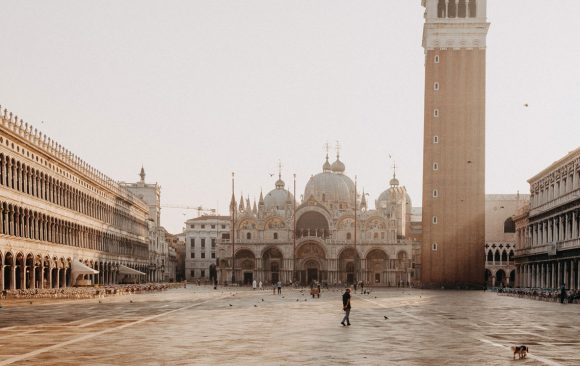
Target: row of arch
316	224
499	256
34	182
30	224
311	263
500	278
19	271
457	8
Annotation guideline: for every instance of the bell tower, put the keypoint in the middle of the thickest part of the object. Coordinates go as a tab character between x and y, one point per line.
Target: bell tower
454	39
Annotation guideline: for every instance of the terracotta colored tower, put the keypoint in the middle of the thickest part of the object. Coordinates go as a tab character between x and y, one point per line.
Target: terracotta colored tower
454	39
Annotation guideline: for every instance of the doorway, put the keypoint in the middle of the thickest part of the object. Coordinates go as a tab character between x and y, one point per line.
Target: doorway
248	278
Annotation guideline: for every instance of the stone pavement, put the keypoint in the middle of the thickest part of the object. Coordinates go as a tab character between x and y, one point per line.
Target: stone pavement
200	326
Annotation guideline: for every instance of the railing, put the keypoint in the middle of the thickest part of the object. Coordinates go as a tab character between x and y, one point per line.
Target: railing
562	200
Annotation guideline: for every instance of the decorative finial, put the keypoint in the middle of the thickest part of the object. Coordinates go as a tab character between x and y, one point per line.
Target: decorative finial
142	174
394	170
337	149
279	169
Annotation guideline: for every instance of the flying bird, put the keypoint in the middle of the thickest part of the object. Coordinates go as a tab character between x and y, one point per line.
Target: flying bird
525	104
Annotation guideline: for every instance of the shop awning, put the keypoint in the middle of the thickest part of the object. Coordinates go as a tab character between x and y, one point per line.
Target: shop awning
81	268
129	271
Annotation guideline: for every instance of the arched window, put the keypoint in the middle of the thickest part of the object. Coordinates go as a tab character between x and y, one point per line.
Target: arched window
472	8
451	9
497	257
504	257
490	256
441	13
509	226
461	9
248	236
275	236
348	236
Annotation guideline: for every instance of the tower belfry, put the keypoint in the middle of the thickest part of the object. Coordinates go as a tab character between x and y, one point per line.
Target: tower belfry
454	39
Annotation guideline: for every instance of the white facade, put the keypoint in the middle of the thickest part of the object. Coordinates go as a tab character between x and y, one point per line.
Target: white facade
201	235
158	250
57	210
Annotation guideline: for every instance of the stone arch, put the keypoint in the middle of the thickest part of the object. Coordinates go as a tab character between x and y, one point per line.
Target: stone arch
8	268
20	268
311	262
272	263
348	265
29	280
245	265
500	278
312	223
490	256
377	261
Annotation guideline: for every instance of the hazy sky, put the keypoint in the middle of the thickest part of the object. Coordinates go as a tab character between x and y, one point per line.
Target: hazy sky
194	90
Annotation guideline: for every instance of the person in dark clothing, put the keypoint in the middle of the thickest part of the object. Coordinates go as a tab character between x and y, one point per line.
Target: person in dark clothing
563	294
346	307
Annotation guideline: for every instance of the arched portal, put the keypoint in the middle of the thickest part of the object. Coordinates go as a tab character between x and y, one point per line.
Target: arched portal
272	261
312	223
29	272
311	263
376	266
8	270
512	278
20	271
348	266
245	265
488	278
500	278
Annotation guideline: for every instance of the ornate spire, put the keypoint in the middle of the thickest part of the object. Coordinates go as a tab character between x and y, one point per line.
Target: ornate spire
261	200
394	182
241	208
363	201
280	183
142	174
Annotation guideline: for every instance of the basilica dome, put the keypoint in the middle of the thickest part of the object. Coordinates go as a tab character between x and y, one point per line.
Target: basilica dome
278	198
328	186
394	195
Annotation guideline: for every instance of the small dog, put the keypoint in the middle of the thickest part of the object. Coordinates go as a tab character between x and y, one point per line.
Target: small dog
520	350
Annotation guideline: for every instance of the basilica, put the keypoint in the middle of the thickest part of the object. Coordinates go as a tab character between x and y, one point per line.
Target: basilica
331	236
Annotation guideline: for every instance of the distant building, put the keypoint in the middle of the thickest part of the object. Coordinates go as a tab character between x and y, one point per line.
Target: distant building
330	236
548	229
158	251
201	235
62	220
176	247
500	238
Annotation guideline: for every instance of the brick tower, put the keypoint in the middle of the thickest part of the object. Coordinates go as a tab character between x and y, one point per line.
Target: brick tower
454	39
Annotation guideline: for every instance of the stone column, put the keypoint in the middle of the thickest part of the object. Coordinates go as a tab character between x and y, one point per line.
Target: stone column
553	276
559	277
33	276
572	275
57	282
574	226
566	274
542	274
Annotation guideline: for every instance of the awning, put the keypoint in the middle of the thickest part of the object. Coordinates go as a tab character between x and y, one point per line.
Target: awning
129	271
81	268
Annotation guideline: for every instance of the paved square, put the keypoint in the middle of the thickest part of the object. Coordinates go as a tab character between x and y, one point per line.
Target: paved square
200	326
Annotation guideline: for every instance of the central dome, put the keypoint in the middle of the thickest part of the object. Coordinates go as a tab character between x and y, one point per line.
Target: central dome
330	185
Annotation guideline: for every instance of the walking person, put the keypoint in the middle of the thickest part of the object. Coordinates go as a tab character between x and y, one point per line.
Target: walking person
279	287
260	285
346	307
273	288
563	294
254	285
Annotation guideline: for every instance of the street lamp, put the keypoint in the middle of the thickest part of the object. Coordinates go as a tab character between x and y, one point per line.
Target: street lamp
233	210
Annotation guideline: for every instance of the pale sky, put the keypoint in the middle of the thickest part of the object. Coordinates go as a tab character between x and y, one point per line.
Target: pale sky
194	90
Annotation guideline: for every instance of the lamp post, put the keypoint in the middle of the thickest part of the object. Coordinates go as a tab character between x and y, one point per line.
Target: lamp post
233	209
294	233
355	251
